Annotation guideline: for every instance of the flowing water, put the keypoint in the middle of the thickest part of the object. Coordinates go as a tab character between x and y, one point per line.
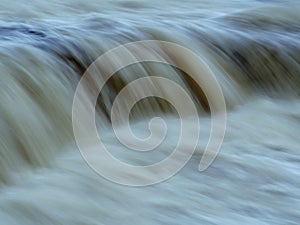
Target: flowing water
253	48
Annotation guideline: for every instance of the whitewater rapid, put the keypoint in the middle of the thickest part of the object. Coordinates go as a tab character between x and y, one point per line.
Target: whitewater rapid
252	47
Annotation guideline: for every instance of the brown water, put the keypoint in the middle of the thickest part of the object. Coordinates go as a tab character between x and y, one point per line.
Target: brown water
253	48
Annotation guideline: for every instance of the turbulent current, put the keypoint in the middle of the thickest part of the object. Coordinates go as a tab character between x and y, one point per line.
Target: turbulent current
252	48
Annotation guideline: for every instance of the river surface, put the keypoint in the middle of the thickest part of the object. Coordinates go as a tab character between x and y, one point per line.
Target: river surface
252	47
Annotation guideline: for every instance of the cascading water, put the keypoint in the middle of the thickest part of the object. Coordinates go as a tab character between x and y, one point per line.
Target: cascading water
252	47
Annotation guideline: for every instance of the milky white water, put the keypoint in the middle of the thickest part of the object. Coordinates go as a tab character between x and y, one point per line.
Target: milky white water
253	48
